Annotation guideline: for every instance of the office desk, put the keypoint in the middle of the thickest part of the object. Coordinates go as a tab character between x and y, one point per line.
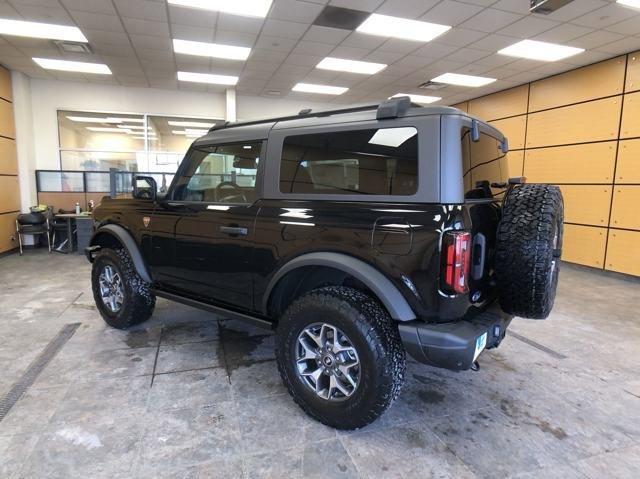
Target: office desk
69	218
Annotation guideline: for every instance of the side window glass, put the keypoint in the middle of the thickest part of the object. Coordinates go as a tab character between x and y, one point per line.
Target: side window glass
358	162
221	174
482	160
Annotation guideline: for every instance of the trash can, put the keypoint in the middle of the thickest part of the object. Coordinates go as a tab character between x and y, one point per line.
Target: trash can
84	231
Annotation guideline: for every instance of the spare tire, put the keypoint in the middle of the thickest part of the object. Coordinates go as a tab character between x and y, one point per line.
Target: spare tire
528	250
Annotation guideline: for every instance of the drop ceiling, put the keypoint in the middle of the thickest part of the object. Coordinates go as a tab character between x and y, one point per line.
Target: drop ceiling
134	38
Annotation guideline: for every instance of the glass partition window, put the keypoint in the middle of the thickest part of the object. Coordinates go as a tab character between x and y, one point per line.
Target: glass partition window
92	141
366	162
221	174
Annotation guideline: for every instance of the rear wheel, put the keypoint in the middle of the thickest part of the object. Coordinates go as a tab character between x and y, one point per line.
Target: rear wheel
528	250
121	295
340	356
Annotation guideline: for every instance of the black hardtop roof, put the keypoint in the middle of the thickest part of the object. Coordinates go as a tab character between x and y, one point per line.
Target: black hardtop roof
392	108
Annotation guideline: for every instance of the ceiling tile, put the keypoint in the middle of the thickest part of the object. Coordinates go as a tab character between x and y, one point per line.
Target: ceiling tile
435	50
451	13
146	27
461	37
97	21
405	9
364	5
332	36
490	20
361	40
280	44
151	42
563	33
194	34
494	42
596	39
624	45
239	24
576	9
142	9
284	29
295	11
36	13
238	39
605	16
192	17
93	6
630	26
528	27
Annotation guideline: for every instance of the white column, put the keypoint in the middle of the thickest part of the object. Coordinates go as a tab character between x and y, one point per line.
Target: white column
231	105
23	118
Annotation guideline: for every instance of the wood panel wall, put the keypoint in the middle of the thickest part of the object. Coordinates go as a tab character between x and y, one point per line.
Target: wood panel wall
9	186
581	130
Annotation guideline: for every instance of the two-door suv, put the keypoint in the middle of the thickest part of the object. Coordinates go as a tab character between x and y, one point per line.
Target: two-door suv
357	234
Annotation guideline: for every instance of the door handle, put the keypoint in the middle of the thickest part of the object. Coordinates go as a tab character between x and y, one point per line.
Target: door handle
234	231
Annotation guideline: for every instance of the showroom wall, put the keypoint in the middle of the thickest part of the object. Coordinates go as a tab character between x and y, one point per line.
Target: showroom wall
9	185
581	130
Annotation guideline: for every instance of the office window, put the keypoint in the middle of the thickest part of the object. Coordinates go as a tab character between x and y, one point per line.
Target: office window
91	141
365	162
221	174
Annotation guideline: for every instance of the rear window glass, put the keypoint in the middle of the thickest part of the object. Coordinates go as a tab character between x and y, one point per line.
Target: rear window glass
359	162
483	160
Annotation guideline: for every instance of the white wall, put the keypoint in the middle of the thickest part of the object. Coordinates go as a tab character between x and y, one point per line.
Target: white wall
37	101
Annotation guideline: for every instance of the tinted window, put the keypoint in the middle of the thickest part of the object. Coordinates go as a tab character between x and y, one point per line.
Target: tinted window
367	162
482	160
220	174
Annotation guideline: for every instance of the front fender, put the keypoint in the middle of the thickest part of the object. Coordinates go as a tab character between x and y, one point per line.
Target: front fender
381	286
126	240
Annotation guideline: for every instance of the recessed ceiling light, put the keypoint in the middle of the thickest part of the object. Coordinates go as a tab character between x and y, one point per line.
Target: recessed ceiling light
543	51
418	98
393	137
324	89
93	119
207	78
49	31
386	26
213	50
463	80
630	3
351	66
108	130
248	8
69	66
191	124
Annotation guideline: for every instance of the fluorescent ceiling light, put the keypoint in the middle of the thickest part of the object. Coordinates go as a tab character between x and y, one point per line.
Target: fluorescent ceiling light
418	98
207	78
543	51
325	89
49	31
386	26
213	50
108	130
93	119
249	8
80	67
393	137
191	124
135	127
125	119
351	66
463	80
630	3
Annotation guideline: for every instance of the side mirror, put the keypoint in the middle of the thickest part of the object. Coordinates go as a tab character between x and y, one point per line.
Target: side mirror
144	188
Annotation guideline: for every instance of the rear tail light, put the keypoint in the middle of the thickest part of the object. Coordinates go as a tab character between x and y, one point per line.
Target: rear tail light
456	261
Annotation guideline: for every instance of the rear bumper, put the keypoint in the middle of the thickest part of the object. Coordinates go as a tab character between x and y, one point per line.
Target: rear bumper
453	345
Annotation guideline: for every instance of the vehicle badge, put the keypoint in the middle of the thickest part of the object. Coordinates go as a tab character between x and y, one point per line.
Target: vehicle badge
145	221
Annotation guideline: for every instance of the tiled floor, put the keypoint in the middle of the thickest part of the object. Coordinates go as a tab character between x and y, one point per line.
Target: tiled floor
186	395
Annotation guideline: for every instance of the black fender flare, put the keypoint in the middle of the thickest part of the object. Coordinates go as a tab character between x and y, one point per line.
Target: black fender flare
378	283
127	241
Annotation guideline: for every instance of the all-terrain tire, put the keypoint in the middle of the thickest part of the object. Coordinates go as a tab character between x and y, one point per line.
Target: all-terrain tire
138	302
375	338
528	250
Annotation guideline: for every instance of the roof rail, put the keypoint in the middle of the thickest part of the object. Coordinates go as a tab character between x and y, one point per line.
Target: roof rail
392	108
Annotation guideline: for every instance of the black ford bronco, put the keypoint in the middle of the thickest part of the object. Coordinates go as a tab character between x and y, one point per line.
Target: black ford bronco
357	234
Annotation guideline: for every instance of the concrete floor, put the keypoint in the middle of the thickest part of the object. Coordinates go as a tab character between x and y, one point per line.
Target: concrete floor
188	396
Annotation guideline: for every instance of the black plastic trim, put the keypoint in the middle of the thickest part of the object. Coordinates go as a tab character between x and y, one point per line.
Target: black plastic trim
382	287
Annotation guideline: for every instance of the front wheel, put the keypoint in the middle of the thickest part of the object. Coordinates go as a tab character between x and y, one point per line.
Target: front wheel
340	356
121	295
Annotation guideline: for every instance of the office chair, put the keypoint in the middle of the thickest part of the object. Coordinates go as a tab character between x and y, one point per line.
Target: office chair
32	224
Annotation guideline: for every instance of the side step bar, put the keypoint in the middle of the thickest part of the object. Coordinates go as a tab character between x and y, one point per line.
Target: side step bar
226	313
